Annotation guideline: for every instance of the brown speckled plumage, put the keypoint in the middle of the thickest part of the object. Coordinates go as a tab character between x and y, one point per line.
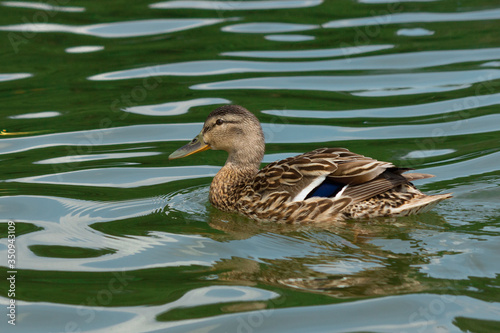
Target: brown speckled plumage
280	191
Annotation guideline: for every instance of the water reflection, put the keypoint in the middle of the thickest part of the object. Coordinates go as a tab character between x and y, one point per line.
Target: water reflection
406	314
84	49
490	14
318	53
117	29
491	64
406	111
289	38
42	6
390	61
237	5
122	177
94	157
14	76
174	108
483	164
414	32
391	1
427	153
363	85
86	141
268	27
350	258
36	115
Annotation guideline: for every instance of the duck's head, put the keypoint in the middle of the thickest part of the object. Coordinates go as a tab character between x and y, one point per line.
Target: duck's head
231	128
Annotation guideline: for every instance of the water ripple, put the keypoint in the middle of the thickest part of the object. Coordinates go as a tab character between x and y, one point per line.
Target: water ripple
322	133
404	111
406	316
289	38
319	53
84	49
36	115
68	222
414	32
491	64
94	157
392	1
106	136
174	108
400	61
237	5
368	85
138	319
122	177
14	76
482	15
268	27
468	259
475	166
117	29
42	6
274	133
379	85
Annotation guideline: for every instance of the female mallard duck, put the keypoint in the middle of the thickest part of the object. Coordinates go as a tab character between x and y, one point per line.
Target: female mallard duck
324	185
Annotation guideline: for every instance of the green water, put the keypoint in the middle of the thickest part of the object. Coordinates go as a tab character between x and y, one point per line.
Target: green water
111	236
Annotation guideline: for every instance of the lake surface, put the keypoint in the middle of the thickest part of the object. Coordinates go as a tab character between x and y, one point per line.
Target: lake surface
113	237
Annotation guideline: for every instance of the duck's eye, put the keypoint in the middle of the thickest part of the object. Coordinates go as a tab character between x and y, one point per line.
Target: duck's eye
219	122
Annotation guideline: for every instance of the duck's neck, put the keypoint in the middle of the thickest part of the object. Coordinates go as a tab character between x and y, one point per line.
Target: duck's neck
241	166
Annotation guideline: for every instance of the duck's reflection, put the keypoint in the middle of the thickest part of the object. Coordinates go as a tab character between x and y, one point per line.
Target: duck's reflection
349	261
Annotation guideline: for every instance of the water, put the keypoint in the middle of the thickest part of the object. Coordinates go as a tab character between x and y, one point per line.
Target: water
111	236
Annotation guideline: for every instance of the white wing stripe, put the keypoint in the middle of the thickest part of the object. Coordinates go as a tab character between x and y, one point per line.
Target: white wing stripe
341	191
303	194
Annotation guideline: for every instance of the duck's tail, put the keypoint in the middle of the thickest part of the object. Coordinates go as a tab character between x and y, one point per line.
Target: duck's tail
402	200
419	205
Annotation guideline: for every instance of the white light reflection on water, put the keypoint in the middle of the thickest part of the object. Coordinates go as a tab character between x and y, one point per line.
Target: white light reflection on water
117	29
237	5
410	60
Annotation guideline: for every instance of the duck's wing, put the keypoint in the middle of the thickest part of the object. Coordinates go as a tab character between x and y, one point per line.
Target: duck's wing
327	172
387	180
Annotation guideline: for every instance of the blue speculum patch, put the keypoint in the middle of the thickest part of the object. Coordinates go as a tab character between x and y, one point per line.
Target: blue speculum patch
326	189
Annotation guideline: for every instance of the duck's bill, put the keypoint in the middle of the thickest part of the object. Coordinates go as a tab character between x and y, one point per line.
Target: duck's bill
193	147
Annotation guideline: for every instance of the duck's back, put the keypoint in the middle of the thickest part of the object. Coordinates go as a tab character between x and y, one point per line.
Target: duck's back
330	184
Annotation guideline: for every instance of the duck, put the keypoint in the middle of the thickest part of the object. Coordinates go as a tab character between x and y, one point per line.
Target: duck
325	185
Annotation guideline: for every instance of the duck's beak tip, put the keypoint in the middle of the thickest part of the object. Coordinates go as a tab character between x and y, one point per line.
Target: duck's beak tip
193	147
